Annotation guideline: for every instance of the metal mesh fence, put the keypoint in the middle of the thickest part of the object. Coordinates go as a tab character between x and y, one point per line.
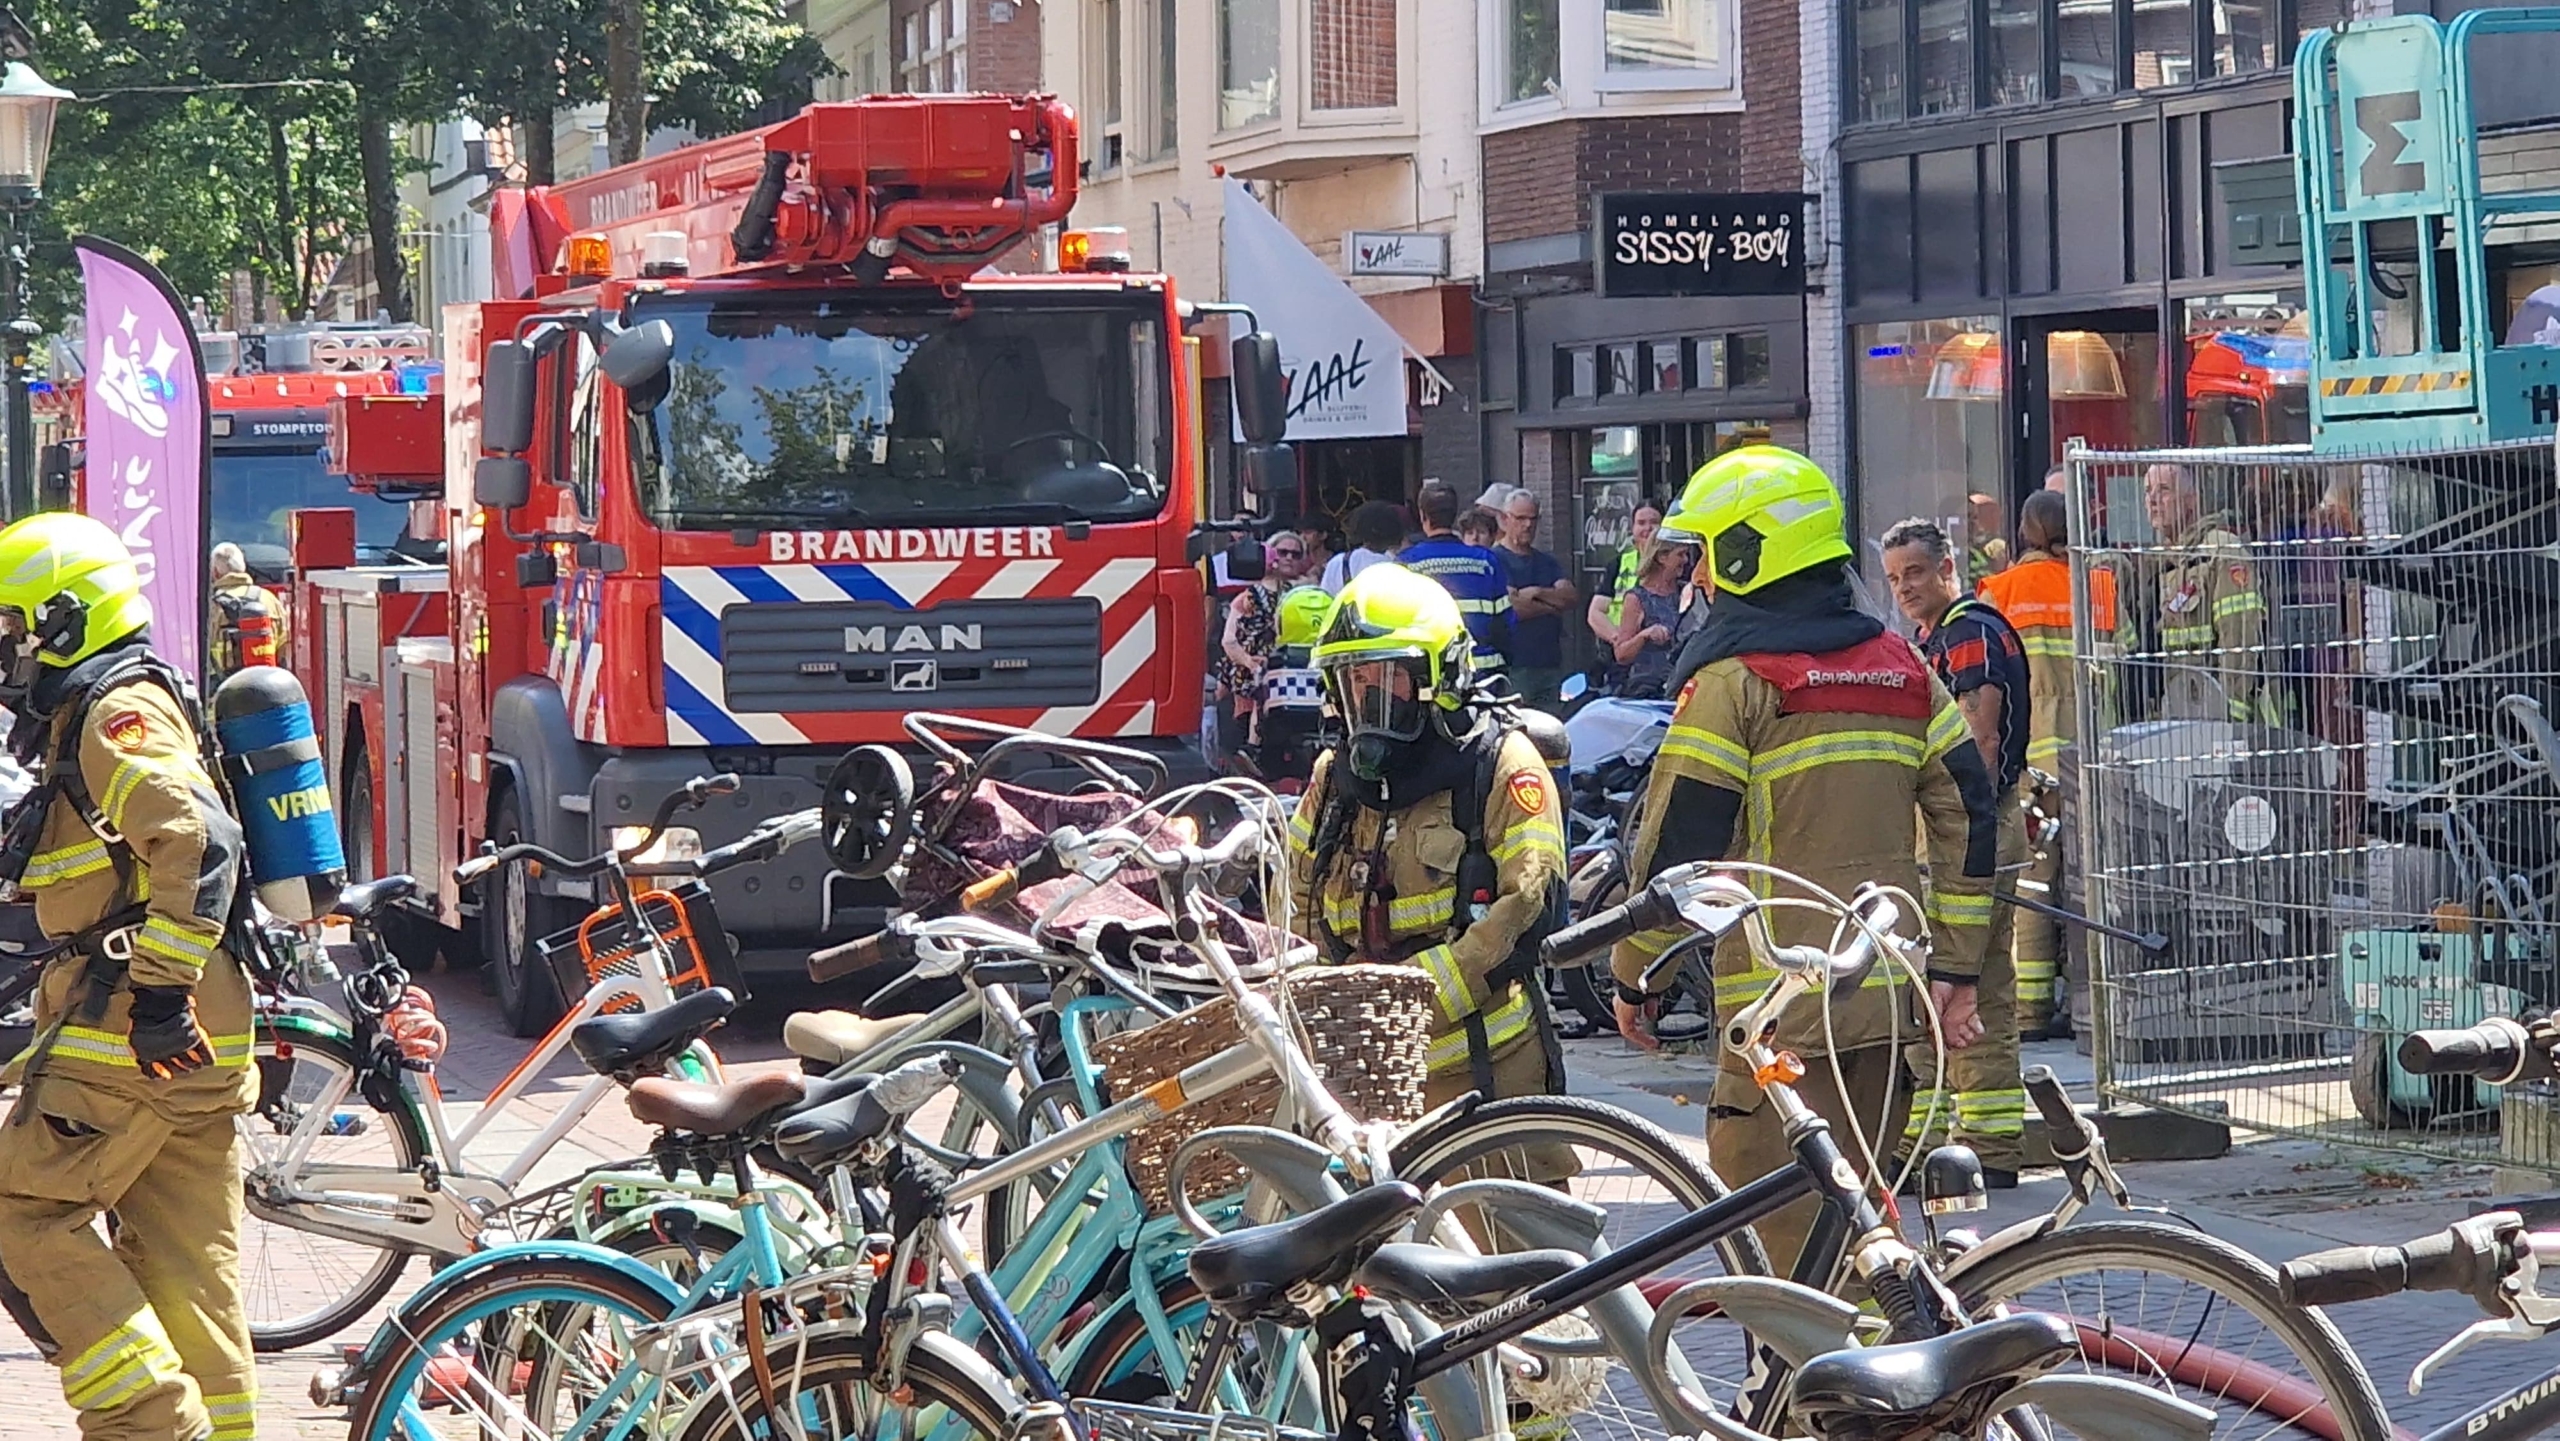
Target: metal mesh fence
2317	759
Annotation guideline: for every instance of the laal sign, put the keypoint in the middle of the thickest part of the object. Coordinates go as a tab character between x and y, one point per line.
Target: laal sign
1672	245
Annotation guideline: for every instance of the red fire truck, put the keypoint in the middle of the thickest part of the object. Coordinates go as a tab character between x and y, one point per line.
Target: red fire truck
269	388
770	459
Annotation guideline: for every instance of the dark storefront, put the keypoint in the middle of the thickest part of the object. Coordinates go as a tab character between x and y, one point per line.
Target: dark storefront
2043	241
1613	398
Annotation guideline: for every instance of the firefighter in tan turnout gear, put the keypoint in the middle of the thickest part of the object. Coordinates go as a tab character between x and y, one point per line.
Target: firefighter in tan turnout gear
141	1057
1803	730
1432	836
2209	616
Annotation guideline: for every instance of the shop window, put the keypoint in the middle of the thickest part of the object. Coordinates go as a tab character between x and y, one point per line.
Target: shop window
2088	182
2247	366
1943	82
1706	362
2087	32
1619	373
2143	177
2244	36
1530	58
1577	373
2164	43
2014	51
1747	358
1248	62
2031	197
1660	35
1353	54
1666	366
1878	26
1880	230
1950	228
1928	417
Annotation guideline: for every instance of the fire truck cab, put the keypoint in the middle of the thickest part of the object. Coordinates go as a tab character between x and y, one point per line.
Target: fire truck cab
771	457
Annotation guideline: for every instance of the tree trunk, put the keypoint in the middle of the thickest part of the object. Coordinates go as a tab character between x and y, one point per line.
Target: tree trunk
626	123
541	145
382	213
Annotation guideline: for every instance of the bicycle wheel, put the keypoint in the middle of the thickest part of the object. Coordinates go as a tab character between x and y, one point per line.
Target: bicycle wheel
823	1391
2190	1313
299	1286
1641	1178
464	1367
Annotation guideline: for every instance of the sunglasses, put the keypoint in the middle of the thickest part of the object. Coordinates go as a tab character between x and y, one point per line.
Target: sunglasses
1290	552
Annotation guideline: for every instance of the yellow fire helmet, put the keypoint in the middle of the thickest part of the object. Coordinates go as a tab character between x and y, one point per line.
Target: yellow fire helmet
1762	513
1395	651
1303	612
68	590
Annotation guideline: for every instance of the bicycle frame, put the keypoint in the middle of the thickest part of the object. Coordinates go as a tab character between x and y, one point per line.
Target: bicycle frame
402	1208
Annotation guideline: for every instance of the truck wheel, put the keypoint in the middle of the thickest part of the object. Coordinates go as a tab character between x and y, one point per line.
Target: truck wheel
513	915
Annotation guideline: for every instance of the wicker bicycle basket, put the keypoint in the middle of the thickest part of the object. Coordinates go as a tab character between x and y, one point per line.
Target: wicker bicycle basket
1366	1029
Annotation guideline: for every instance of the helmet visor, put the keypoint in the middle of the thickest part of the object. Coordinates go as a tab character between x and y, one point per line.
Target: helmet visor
1381	696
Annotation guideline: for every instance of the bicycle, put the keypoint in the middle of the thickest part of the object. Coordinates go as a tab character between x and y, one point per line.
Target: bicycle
354	1193
2496	1258
1959	1278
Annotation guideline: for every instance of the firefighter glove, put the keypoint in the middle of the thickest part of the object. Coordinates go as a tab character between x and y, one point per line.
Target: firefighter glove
166	1041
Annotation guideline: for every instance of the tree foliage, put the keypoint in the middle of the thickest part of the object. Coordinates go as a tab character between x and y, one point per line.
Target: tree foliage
264	136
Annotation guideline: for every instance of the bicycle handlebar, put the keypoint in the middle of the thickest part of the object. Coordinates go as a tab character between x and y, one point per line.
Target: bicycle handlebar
692	795
2498	1050
2472	1255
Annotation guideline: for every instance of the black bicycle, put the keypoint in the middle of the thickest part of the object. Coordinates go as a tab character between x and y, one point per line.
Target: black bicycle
2496	1259
1957	1357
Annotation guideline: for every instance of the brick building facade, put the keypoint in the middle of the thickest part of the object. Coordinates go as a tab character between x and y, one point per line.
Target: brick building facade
1596	402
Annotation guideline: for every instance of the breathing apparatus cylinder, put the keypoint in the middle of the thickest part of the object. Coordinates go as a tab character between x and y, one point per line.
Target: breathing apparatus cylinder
271	756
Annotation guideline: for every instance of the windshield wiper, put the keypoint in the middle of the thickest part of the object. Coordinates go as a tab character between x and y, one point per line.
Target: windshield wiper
1028	512
841	517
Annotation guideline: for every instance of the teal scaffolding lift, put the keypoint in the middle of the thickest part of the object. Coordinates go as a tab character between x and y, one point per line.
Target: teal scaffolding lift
2406	256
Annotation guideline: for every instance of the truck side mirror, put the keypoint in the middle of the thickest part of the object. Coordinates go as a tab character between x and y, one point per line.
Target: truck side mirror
1266	470
1245	560
506	398
502	482
1262	392
637	360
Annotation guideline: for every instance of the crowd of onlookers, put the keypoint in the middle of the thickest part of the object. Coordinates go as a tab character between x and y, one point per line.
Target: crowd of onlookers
1517	597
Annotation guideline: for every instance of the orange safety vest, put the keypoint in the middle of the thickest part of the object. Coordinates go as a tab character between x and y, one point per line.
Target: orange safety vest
2035	594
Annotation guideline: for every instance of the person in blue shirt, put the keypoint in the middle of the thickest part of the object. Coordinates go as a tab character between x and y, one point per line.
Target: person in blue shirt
1541	597
1473	575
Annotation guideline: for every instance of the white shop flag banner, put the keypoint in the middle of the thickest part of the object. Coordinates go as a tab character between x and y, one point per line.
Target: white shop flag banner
1344	362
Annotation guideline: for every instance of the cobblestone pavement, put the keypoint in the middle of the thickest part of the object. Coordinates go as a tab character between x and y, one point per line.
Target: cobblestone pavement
2278	1199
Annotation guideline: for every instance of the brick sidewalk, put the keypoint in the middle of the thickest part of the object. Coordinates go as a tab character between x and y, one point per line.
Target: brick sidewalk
31	1405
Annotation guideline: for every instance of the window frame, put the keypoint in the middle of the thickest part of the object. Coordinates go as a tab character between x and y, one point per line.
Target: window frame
1584	83
2200	49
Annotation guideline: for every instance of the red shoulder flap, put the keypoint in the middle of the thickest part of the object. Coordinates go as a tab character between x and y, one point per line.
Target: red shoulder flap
1879	677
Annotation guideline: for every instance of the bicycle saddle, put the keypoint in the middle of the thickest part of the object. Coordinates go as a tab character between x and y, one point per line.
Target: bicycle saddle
1435	1277
1248	1274
832	1038
815	1136
722	1110
367	900
642	1042
1930	1383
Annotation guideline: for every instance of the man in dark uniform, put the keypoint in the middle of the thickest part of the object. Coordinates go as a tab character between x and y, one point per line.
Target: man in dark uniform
1983	664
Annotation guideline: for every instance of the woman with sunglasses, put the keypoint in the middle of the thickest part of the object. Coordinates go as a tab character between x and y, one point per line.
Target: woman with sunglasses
1252	629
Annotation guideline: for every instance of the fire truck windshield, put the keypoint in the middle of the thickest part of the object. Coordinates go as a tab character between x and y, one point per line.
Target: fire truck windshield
795	408
254	491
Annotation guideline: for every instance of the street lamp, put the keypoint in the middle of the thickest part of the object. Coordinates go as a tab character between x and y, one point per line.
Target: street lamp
27	103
